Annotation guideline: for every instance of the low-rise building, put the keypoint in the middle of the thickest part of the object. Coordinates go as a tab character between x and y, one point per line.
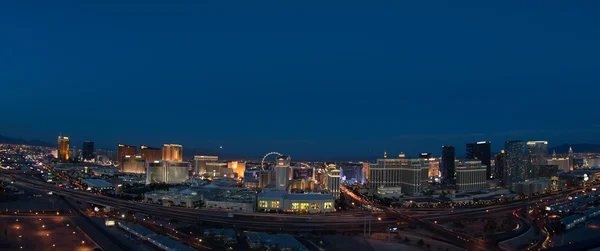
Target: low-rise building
571	221
137	230
184	198
289	202
531	187
169	244
226	235
98	184
283	242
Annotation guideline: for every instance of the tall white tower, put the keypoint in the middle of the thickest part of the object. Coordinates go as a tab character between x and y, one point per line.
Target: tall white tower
333	180
282	172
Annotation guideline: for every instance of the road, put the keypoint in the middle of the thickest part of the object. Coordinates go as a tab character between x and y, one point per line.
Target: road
427	218
338	222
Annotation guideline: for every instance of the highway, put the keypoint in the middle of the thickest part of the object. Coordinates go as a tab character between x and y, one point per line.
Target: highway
338	222
426	218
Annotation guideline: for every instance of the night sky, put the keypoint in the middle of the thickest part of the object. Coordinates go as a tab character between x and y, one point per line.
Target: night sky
308	79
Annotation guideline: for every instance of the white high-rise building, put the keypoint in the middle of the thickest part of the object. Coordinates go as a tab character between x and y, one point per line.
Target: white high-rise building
471	176
282	173
333	180
414	176
409	174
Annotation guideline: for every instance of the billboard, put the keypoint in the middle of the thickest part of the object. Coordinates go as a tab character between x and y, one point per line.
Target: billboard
302	173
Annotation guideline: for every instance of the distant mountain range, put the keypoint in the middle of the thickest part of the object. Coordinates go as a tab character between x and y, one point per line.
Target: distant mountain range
18	141
191	152
577	148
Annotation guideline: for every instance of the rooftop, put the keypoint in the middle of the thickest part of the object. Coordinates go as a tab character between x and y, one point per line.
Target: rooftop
138	229
170	243
571	218
97	183
294	196
283	241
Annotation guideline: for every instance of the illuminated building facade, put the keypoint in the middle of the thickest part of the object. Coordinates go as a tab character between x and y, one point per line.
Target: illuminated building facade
292	202
302	186
238	167
133	164
414	176
538	158
214	169
333	181
434	168
170	172
282	169
200	163
500	167
562	163
123	150
150	153
481	150
87	151
172	152
471	176
516	156
385	173
63	148
365	171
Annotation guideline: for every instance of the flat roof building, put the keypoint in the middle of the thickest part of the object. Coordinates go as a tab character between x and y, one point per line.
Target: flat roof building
290	202
471	176
63	148
172	152
150	153
133	164
200	163
124	150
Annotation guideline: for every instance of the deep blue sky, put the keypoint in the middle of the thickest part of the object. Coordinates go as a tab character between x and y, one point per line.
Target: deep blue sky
308	79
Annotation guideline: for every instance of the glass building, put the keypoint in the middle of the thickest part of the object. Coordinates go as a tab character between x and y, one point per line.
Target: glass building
516	156
481	151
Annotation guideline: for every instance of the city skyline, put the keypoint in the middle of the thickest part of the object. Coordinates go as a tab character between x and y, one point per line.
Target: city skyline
300	125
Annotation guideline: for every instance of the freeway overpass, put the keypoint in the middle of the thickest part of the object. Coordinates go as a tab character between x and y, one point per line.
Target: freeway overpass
338	222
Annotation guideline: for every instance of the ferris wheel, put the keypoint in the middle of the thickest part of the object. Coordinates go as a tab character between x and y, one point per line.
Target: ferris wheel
262	163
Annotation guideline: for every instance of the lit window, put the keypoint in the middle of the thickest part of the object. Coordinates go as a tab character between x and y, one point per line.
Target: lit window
275	204
295	206
262	203
328	205
304	206
314	205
